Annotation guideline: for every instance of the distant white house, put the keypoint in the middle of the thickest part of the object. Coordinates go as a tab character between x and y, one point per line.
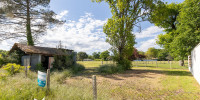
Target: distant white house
87	60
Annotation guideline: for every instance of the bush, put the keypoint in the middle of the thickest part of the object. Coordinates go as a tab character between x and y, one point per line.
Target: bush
125	64
77	68
13	68
40	67
64	61
110	69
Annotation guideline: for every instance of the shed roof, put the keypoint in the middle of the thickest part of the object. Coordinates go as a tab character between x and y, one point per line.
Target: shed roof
38	50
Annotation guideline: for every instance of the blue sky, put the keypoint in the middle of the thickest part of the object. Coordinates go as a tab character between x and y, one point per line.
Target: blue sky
83	28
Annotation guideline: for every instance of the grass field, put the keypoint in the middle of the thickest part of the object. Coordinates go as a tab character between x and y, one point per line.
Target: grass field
140	83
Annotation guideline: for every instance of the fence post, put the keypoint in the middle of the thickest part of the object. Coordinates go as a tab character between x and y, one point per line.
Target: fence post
170	65
26	71
48	79
156	64
94	87
146	63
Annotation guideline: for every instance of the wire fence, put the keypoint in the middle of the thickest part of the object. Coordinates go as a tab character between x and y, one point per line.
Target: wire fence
116	90
151	64
137	84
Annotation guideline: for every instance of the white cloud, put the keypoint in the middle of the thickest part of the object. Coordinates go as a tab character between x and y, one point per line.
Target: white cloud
62	14
148	44
149	32
86	35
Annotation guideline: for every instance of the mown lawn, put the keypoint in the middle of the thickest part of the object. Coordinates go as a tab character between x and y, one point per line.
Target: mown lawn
140	83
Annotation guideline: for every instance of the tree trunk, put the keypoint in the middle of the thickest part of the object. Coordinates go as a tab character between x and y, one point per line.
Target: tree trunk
181	62
28	25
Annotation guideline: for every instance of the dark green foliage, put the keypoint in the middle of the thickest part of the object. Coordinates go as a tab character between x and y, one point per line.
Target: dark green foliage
110	69
126	14
82	55
104	55
14	57
96	55
40	67
125	63
63	62
67	62
90	57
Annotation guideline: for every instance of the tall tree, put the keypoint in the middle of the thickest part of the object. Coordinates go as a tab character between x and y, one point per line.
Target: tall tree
188	27
104	55
96	55
25	18
82	55
166	16
152	53
119	28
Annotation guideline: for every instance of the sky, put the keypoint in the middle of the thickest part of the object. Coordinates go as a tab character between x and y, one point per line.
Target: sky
83	29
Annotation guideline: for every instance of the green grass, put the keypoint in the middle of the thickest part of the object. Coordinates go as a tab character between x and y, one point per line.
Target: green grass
139	83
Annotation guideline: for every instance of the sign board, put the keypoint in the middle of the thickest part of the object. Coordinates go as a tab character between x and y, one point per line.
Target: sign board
42	78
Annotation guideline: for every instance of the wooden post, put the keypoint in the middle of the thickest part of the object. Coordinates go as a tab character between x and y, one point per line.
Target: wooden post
48	79
156	64
136	63
146	63
170	65
94	87
26	71
12	69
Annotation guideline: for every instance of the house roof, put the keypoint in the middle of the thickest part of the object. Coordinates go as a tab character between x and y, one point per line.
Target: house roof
38	50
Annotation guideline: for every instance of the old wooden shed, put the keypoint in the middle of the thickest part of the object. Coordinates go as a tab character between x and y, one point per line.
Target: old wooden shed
33	55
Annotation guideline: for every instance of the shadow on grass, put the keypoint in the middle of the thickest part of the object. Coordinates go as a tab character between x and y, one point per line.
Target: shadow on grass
140	73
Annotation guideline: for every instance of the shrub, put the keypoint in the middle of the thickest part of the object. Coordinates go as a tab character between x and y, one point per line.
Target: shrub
13	68
40	67
125	64
110	69
64	61
77	68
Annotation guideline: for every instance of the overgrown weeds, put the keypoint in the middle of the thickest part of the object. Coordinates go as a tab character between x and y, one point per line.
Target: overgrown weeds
110	69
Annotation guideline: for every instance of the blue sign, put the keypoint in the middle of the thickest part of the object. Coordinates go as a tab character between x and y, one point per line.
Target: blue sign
41	78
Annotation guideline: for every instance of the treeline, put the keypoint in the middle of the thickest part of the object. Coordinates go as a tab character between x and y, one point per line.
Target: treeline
98	56
151	54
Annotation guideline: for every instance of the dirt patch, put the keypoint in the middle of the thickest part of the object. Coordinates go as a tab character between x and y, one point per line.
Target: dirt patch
131	78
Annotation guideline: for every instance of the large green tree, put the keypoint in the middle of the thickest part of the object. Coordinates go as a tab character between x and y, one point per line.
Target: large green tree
152	53
119	28
166	16
104	55
186	35
25	18
96	55
82	55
